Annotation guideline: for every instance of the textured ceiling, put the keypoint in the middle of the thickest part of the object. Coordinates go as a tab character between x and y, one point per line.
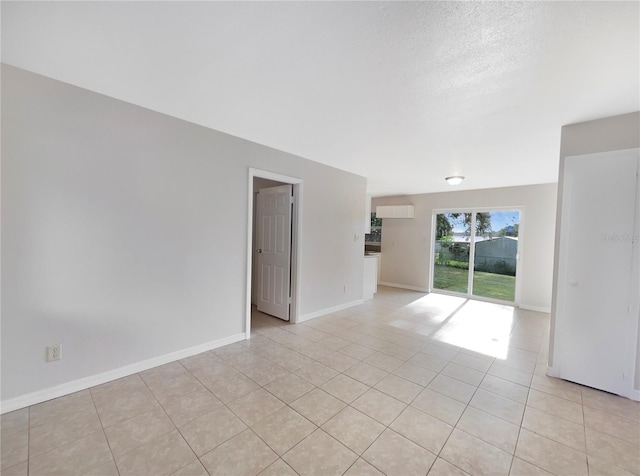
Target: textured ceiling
403	93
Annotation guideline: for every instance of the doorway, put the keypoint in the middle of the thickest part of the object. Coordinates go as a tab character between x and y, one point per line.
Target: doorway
476	253
272	250
266	179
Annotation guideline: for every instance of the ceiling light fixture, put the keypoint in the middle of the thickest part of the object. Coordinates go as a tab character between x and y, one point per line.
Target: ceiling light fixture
455	179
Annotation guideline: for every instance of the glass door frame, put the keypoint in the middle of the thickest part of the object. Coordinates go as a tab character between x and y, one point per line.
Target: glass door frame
473	211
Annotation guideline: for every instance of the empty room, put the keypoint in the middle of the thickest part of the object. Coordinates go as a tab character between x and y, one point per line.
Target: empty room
320	238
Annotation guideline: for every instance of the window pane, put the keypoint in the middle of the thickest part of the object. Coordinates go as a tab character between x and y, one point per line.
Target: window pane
373	240
451	252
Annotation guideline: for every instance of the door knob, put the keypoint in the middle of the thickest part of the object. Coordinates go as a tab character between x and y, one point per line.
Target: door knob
259	250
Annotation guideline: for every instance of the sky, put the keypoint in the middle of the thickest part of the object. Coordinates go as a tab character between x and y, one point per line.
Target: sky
498	220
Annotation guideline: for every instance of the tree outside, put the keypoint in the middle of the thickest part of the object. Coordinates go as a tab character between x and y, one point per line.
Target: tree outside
495	251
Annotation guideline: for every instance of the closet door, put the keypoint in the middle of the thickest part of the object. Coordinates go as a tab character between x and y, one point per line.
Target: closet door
595	271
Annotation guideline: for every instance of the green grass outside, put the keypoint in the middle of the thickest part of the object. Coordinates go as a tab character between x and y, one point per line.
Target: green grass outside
490	285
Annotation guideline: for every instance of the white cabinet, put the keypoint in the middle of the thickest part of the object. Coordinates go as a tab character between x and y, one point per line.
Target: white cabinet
394	211
370	284
378	255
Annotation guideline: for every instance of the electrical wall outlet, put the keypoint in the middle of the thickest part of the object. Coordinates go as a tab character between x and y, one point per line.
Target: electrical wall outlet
54	352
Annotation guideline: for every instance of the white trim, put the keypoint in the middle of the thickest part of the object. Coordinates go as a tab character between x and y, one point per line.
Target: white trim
471	264
553	372
519	255
296	246
631	393
98	379
527	307
634	395
432	250
296	269
404	286
505	208
329	310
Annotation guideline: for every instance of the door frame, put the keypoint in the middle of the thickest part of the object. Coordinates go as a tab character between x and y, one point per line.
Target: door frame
519	255
296	240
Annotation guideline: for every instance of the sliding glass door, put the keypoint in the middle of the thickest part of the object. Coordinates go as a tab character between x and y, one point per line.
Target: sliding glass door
475	253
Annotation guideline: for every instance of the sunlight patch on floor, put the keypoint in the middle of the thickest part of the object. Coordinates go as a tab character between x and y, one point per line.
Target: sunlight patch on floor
439	306
481	327
414	327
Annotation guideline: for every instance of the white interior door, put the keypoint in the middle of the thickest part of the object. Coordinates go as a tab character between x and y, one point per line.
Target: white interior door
595	270
274	208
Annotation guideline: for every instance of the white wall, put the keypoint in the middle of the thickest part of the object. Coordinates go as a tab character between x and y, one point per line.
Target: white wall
406	243
600	135
124	234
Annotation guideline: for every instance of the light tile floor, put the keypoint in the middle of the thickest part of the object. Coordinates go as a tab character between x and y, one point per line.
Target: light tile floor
405	384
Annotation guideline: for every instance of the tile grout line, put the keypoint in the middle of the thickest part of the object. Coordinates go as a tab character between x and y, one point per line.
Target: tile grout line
170	419
279	457
439	373
198	458
29	440
348	405
454	428
391	340
584	428
113	457
515	449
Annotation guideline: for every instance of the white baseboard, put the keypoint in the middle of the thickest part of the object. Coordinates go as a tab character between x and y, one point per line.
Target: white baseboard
404	286
526	307
93	380
551	372
632	393
329	310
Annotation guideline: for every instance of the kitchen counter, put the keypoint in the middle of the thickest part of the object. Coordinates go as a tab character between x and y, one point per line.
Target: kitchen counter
379	255
370	275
